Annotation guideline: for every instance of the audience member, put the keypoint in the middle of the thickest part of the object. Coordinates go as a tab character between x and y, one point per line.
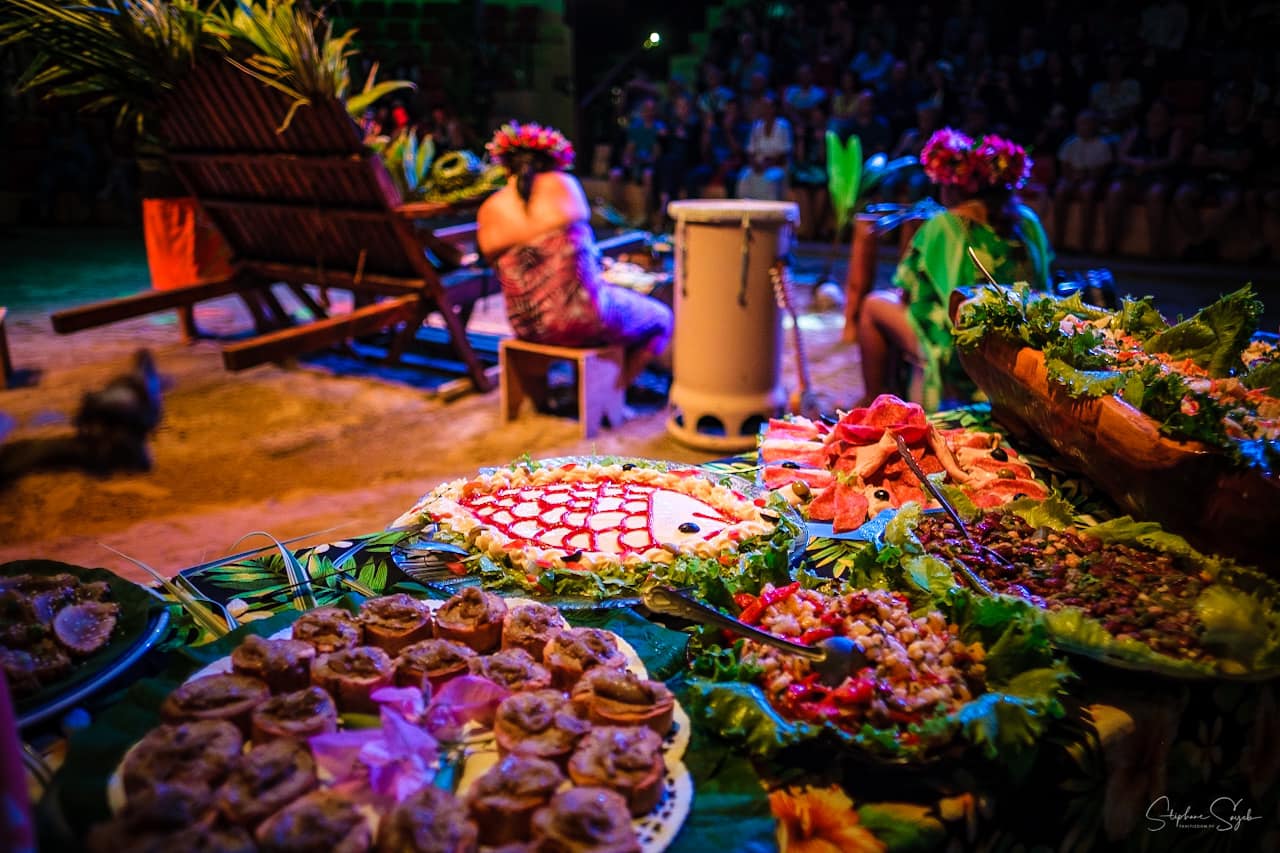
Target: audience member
869	127
873	63
747	61
911	185
809	174
1148	160
1116	98
1083	161
1219	169
681	153
640	155
727	146
1031	56
768	153
714	93
803	95
900	97
844	103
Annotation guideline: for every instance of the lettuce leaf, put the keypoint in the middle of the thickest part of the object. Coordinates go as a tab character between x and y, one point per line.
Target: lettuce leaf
1265	375
1140	318
1084	383
1053	512
1215	336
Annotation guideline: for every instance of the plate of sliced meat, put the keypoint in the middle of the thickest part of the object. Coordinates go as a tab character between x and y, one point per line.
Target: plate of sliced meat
849	473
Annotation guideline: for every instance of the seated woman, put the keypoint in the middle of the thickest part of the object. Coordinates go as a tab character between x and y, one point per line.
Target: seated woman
535	233
912	323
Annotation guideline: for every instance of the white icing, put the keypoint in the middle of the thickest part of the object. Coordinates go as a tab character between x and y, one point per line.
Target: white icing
527	509
672	509
608	504
575	519
526	529
607	541
556	497
582	539
635	522
606	520
553	516
635	538
636	506
555	537
502	517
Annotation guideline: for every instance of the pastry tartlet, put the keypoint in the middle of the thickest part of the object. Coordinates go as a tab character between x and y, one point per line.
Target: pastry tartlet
392	622
351	675
285	665
226	696
573	651
299	715
320	822
169	818
430	821
514	669
530	626
540	723
474	618
328	629
198	754
627	760
504	799
264	780
436	660
585	820
619	697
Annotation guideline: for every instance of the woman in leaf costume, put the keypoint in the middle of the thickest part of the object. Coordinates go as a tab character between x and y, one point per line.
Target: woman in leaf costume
536	234
978	182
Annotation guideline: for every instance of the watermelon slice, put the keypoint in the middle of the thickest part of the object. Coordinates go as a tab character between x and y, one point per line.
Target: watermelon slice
775	477
999	491
809	454
800	428
851	507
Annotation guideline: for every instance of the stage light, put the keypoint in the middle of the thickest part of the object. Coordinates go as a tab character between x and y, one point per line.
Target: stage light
653	41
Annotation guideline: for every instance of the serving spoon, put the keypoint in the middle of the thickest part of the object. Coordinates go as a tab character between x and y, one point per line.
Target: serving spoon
931	487
834	659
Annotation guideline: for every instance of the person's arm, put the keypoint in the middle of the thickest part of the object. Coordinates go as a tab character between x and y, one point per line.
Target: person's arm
1138	164
1100	169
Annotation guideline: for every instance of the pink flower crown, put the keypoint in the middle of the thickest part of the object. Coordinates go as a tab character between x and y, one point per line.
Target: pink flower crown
950	157
514	137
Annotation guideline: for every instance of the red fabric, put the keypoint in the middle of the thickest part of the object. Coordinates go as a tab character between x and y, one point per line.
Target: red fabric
182	246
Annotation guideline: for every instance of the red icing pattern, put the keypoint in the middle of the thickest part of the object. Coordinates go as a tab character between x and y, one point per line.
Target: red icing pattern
558	501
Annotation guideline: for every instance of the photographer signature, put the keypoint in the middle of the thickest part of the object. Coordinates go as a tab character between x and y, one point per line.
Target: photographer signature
1222	815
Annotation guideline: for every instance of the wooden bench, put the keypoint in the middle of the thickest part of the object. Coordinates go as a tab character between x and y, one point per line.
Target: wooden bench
598	372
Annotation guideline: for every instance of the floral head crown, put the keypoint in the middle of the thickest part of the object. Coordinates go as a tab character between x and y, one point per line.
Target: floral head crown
950	157
514	137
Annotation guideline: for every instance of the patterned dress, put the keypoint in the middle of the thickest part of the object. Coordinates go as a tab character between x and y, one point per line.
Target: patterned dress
938	262
555	296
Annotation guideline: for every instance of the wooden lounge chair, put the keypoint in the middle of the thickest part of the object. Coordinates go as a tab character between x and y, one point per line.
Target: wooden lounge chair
309	205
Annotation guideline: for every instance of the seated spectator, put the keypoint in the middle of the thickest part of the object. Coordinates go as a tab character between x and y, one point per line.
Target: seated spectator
881	25
1060	85
938	89
714	93
975	59
809	174
725	146
898	102
1053	131
1083	161
747	61
640	154
977	118
768	155
872	65
1031	56
911	185
868	126
911	322
844	103
756	91
681	155
803	95
1219	171
1148	159
1115	99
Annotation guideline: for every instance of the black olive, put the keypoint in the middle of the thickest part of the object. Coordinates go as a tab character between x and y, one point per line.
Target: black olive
574	557
1018	495
881	494
769	516
688	527
628	466
1000	455
789	464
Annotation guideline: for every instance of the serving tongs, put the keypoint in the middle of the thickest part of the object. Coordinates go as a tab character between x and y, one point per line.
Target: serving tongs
970	577
834	659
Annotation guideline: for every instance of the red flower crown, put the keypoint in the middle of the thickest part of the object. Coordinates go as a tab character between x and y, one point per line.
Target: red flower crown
950	157
514	137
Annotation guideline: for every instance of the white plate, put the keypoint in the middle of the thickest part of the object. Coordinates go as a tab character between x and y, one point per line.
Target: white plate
655	830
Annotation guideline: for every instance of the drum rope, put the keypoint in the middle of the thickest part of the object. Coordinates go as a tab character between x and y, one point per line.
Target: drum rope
682	265
746	261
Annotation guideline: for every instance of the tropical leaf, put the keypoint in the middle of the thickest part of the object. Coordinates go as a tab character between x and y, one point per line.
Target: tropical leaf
301	593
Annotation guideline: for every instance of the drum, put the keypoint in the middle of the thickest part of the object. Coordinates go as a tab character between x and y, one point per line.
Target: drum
727	346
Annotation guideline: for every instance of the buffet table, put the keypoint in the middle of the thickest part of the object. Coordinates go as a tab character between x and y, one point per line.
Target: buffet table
1136	761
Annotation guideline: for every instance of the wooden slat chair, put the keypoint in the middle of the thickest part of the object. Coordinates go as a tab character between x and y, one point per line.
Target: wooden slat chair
310	205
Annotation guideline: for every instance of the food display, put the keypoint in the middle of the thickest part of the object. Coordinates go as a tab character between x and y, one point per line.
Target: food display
1122	589
1202	379
594	527
274	769
925	665
848	472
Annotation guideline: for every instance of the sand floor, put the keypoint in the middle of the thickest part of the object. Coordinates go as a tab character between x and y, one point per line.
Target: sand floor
289	451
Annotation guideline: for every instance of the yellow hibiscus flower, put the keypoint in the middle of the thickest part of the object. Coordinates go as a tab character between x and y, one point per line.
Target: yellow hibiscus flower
812	820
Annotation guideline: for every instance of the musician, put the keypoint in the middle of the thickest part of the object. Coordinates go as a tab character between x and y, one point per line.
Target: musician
978	182
535	233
